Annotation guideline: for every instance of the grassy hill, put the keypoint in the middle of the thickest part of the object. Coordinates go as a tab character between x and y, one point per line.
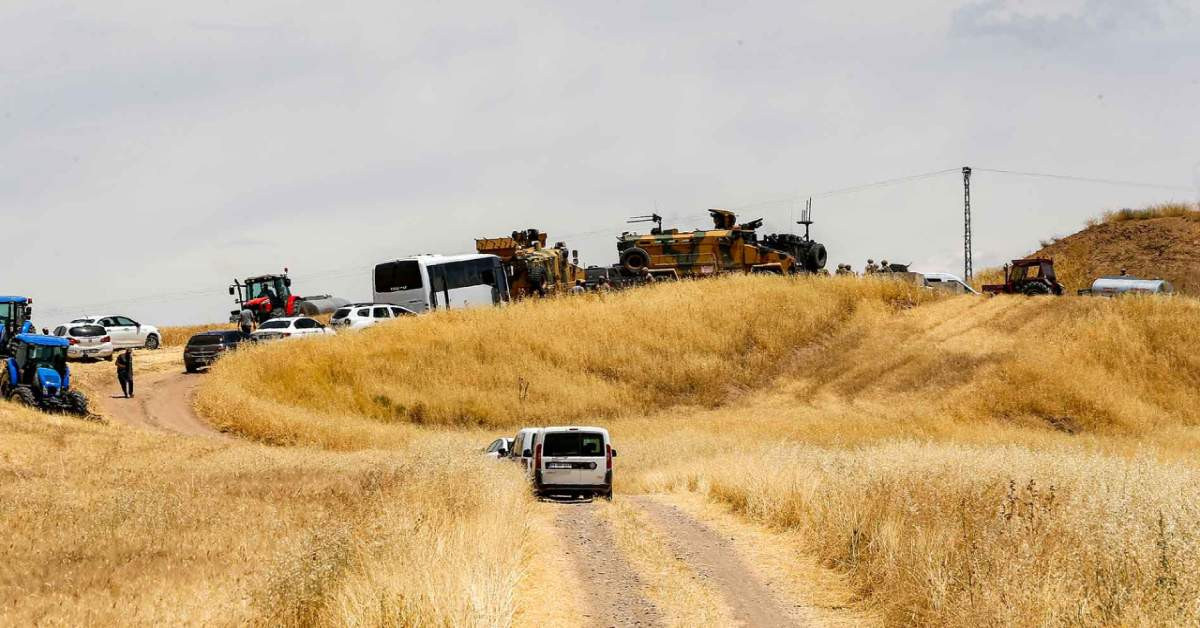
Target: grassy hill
963	461
957	461
1160	242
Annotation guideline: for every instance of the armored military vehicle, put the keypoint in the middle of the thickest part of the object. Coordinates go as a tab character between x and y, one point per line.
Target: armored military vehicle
531	266
728	247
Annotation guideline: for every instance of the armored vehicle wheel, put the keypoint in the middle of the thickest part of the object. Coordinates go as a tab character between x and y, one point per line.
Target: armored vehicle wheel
634	260
23	395
1035	289
152	342
816	258
77	403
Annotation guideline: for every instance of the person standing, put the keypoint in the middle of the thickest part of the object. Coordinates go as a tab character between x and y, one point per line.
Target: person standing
246	322
125	372
578	287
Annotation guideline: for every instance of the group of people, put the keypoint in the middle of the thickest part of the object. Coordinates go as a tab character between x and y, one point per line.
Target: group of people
870	269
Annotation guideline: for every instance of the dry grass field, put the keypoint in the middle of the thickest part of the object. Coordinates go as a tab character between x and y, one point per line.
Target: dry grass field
956	461
111	526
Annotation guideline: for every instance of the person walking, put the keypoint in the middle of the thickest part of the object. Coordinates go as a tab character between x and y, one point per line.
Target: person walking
125	372
246	322
578	287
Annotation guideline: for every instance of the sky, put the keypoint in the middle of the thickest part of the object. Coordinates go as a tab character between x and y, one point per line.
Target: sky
150	152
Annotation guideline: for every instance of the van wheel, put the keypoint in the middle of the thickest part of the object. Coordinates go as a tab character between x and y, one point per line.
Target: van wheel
607	495
151	342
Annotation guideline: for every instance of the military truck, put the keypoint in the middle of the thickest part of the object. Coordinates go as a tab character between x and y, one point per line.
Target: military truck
727	248
531	266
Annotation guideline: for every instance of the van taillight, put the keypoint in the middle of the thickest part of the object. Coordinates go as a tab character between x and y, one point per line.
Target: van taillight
106	339
608	457
72	341
537	456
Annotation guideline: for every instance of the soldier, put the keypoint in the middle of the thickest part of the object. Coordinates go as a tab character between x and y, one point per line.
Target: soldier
871	267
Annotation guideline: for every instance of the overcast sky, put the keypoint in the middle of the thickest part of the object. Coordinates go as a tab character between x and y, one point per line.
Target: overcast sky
150	152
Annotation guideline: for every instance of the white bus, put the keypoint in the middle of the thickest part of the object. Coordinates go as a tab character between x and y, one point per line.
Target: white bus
430	282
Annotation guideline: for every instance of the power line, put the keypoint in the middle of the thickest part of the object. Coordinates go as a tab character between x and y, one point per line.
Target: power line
1067	177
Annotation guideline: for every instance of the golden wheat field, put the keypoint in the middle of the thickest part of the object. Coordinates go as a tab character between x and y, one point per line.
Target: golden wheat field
950	461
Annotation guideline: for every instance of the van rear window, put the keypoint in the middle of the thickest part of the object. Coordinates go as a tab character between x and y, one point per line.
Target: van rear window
573	444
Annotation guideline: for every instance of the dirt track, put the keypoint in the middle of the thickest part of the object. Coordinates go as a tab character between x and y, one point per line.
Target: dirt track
611	587
716	560
616	595
162	402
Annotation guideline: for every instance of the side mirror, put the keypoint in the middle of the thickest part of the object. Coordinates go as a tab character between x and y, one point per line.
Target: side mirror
614	453
287	281
528	453
501	453
230	290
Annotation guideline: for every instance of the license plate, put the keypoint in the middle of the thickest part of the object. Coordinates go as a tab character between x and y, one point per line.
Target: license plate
89	352
558	465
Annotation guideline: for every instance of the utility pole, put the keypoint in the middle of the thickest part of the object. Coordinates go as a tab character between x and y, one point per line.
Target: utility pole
968	267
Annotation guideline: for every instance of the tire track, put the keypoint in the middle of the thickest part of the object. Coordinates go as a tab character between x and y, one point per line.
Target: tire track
717	561
614	591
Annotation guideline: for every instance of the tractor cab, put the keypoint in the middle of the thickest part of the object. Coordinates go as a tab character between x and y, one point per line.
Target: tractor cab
15	313
37	375
268	296
1030	277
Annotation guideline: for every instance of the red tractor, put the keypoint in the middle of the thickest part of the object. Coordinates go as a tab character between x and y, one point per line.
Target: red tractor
1030	277
270	296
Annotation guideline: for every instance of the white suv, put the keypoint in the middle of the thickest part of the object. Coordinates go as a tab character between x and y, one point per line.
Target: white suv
573	461
361	315
125	331
86	341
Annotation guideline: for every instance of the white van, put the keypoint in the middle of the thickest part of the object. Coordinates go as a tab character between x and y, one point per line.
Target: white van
574	461
522	449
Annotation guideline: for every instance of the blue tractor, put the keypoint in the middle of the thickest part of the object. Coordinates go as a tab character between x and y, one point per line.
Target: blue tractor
15	313
36	375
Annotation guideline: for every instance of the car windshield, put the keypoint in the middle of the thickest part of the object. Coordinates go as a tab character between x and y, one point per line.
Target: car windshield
573	444
86	331
275	325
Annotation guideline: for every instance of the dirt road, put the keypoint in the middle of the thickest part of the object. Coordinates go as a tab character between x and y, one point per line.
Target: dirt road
162	402
616	593
612	588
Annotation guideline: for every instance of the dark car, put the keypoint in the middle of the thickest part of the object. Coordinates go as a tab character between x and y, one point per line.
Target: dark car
205	347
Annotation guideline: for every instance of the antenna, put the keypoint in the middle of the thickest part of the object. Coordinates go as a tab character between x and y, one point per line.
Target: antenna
806	217
654	218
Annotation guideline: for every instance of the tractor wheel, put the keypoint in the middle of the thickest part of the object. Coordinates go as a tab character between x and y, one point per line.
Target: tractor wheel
1035	289
23	395
634	260
77	403
152	342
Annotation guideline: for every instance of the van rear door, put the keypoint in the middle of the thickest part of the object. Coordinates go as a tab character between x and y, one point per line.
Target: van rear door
575	457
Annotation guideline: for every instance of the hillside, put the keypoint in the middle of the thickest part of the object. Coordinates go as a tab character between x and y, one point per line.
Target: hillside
1157	243
907	458
838	410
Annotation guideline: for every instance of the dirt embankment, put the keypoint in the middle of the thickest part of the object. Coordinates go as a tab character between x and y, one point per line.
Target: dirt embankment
1153	248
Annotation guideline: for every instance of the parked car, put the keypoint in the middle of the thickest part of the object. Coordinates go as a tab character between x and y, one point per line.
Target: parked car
289	327
205	347
499	448
573	461
522	449
86	341
359	315
947	282
125	331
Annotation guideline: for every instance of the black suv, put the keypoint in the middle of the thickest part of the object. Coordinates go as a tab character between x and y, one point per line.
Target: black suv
205	347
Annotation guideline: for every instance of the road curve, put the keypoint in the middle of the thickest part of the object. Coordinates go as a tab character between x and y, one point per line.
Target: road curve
162	403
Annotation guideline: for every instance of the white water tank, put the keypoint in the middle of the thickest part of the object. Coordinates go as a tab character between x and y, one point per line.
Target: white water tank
1111	286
